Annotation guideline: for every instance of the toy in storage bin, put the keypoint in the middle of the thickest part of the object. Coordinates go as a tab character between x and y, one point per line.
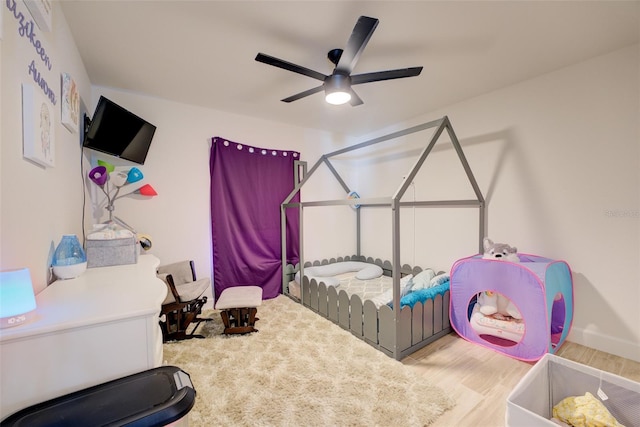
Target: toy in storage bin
554	378
111	245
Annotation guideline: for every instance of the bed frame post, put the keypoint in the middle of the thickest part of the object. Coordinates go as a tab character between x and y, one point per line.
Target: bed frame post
483	223
299	173
283	246
300	249
358	238
395	273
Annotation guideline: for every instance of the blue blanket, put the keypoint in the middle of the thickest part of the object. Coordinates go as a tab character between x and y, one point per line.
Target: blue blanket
422	295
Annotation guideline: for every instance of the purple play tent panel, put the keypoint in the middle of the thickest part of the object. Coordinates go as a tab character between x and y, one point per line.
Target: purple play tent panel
540	288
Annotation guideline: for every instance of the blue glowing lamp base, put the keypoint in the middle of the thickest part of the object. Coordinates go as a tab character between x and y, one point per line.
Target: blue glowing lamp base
17	320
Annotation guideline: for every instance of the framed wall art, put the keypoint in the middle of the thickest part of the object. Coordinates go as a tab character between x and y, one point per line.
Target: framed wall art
38	130
70	105
41	11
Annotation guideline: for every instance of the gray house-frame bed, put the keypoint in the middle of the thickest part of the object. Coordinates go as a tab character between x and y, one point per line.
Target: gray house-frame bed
396	331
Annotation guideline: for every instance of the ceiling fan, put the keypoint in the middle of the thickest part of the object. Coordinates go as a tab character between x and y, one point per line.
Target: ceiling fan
337	85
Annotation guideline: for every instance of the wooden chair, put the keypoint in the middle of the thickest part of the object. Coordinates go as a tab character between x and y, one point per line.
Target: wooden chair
183	304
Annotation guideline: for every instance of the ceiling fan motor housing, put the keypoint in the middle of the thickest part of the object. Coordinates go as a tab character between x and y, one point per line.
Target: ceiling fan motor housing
337	81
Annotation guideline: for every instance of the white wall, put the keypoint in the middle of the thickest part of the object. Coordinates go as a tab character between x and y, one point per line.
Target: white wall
177	166
37	205
558	160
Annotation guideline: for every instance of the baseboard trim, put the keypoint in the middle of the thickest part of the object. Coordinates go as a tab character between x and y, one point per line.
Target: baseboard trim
608	344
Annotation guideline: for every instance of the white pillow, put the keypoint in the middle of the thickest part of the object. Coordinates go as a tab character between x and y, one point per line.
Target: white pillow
407	287
325	273
422	280
370	272
329	281
404	280
439	279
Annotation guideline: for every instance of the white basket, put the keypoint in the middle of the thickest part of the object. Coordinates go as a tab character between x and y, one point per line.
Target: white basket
554	378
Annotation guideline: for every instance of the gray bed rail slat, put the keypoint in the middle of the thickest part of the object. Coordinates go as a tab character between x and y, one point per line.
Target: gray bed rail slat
343	309
313	294
417	323
356	314
322	299
404	340
437	314
387	328
370	323
445	310
427	318
332	304
304	292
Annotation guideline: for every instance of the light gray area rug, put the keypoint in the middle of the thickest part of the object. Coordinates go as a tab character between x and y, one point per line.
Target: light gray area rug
300	369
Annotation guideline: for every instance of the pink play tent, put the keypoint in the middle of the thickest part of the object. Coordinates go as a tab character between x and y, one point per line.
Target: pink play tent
541	289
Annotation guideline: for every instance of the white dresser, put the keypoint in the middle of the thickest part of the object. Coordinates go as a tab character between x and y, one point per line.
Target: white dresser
97	327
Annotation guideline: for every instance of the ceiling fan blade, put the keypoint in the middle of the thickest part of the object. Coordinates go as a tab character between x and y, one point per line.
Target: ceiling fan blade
303	94
385	75
359	38
270	60
355	99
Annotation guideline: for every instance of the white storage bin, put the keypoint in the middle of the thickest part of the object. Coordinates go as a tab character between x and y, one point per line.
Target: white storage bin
554	378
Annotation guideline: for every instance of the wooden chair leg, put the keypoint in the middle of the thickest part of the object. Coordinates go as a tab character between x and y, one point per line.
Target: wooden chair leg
252	316
239	320
179	318
225	318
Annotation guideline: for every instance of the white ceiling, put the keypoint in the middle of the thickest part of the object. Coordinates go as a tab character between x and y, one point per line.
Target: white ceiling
202	52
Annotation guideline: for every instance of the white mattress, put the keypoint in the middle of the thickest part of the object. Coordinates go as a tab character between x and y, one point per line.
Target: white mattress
365	289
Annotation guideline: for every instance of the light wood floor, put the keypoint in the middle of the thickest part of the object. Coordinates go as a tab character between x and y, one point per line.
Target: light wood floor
481	379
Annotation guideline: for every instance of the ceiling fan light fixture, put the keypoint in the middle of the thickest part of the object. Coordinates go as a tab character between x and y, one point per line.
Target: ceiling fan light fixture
337	89
337	97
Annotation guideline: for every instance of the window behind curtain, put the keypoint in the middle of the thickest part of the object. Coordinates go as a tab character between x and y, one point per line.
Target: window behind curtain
248	184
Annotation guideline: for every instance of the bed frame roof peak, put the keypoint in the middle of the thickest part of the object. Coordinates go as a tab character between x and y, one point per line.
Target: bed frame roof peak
441	125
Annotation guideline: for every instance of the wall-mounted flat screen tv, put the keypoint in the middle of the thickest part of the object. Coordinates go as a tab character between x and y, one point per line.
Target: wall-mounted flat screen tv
118	132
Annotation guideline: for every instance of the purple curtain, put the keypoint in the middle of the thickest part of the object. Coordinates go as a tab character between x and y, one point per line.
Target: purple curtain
248	184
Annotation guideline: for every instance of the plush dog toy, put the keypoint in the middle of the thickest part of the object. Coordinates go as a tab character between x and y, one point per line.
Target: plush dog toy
499	251
494	303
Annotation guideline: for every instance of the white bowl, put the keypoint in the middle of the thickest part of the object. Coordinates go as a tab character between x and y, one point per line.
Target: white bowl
69	271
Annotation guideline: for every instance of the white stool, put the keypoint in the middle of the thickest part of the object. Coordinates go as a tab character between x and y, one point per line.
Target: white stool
238	307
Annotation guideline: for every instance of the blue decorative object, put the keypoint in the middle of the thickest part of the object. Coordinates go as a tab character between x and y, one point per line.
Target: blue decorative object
422	295
134	175
69	259
353	195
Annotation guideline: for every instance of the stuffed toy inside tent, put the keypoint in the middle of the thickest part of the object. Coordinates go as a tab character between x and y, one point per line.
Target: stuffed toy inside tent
538	291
